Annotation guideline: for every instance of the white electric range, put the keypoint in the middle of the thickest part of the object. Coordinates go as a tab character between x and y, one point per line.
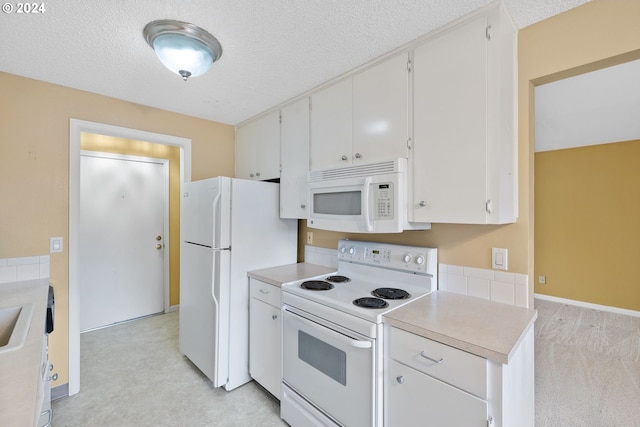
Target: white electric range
333	332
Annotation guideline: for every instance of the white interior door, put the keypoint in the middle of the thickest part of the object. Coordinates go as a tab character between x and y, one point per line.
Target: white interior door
121	250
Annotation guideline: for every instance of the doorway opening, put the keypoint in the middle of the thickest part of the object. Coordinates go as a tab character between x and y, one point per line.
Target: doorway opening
77	128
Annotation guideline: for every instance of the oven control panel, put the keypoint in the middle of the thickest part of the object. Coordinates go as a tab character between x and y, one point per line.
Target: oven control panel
400	257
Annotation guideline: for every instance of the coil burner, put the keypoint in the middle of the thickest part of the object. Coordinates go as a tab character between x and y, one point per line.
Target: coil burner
316	285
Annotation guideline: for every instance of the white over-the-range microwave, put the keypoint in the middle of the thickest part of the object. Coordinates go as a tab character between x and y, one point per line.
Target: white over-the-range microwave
363	198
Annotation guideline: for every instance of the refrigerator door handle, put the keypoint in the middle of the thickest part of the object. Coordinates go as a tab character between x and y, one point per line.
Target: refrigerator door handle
214	218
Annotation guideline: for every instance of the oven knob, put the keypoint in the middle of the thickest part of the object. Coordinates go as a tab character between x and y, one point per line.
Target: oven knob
352	250
419	260
343	249
406	258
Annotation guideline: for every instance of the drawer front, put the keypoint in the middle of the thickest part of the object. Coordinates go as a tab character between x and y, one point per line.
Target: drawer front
456	367
408	404
266	292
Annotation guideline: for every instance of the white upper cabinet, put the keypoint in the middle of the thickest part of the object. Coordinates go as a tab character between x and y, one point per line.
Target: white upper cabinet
381	111
363	118
465	143
258	148
331	134
294	156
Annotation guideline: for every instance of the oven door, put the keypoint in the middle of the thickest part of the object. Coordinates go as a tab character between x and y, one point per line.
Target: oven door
331	367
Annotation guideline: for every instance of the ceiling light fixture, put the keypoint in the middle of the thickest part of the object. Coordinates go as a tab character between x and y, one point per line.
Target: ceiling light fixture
183	48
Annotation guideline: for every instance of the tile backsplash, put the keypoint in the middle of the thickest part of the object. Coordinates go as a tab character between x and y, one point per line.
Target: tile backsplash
24	268
321	256
498	286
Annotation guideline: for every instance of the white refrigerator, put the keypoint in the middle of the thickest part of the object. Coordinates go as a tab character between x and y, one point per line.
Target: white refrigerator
228	227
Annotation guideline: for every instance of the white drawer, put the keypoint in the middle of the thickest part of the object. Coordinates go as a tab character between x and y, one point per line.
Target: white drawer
265	292
456	367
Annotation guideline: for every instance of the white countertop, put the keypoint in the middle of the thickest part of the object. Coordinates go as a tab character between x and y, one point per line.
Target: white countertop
481	327
20	368
277	276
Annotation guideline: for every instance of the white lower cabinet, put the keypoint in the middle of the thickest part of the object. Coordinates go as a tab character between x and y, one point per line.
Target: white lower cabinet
265	335
431	384
416	399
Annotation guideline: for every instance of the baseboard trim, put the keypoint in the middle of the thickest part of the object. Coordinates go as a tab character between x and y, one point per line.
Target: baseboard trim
59	391
173	308
588	305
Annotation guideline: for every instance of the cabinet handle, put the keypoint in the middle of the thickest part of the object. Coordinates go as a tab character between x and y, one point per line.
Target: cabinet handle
400	379
422	203
358	155
437	362
303	206
264	291
344	158
274	316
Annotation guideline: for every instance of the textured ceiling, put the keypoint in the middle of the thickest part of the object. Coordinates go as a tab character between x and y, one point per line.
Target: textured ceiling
273	50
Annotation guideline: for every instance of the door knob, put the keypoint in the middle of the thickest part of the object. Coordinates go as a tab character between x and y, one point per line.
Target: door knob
158	246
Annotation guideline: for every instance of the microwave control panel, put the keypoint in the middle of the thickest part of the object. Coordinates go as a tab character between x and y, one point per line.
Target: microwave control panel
383	199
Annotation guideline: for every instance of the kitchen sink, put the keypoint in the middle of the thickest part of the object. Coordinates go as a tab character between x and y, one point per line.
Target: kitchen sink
14	326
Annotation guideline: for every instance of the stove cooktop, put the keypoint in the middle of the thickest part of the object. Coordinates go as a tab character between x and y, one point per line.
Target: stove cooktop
381	277
343	295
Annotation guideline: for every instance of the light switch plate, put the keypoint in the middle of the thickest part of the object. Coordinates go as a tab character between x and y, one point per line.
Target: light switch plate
499	258
55	244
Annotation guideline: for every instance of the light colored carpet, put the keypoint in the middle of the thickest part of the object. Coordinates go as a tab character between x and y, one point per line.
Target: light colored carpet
132	374
587	375
587	367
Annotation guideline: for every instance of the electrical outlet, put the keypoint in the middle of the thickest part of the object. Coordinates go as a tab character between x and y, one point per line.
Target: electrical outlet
542	279
309	237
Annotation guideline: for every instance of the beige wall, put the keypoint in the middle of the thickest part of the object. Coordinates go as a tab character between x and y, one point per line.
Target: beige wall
587	229
34	170
598	34
109	144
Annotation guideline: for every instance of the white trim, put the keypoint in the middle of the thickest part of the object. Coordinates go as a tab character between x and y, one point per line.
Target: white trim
583	304
165	210
76	127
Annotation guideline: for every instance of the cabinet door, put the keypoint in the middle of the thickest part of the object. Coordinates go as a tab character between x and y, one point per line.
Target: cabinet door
331	120
416	399
264	345
258	148
294	158
450	126
381	111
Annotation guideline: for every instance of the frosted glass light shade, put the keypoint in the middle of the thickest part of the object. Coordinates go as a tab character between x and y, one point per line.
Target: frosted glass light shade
180	53
183	48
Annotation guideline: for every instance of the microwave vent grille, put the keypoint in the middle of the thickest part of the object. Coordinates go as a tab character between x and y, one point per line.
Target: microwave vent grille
370	169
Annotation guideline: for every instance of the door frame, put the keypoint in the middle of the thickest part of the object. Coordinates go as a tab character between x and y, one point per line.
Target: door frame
76	128
165	211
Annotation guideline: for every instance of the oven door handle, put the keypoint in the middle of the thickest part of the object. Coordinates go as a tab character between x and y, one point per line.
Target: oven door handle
344	338
365	195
